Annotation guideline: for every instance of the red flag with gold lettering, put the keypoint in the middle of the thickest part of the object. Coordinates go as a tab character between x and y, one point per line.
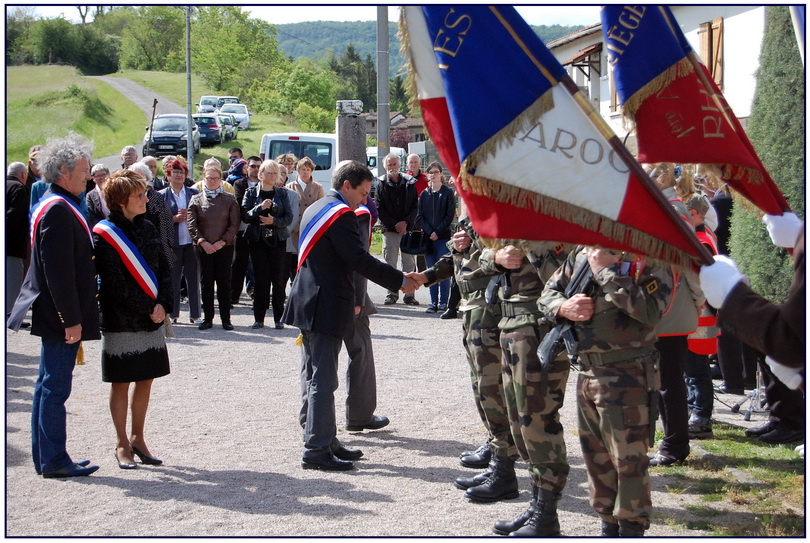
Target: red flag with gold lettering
680	114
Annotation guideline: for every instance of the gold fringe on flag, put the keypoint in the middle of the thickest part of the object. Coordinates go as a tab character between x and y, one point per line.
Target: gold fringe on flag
524	121
648	245
680	69
80	355
410	78
299	341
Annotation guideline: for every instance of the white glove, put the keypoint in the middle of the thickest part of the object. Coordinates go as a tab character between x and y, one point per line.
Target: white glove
791	377
719	279
784	229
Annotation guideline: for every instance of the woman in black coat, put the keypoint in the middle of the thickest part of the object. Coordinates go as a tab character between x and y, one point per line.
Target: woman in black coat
266	209
134	345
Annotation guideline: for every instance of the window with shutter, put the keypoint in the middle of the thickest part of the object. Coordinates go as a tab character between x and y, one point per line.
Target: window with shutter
711	49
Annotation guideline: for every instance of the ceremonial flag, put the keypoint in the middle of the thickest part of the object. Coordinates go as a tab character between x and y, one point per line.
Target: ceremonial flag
797	14
680	114
530	162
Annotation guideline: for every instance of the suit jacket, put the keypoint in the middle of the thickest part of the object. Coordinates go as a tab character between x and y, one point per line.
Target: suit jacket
322	298
776	330
61	281
168	196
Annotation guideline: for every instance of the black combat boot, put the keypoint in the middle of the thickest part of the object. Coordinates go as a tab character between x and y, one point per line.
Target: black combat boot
544	521
468	482
610	529
506	527
631	529
479	458
501	485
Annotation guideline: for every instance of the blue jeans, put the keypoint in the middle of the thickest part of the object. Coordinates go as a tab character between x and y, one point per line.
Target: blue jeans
48	414
438	292
699	390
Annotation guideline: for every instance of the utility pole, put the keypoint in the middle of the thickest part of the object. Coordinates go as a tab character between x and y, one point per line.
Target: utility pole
383	92
189	120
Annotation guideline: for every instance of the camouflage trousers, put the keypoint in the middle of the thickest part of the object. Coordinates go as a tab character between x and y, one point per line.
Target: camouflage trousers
535	417
481	341
614	431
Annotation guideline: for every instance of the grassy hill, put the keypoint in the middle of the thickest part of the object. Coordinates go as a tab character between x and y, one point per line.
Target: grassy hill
48	101
318	39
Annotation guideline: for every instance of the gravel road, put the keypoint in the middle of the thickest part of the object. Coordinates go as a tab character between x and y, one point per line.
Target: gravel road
225	423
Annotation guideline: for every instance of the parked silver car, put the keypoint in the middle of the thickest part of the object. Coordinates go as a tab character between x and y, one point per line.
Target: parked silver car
240	113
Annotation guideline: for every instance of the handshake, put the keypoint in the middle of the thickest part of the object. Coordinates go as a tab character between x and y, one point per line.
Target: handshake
413	280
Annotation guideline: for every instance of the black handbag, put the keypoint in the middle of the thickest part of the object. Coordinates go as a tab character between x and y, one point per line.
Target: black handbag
414	243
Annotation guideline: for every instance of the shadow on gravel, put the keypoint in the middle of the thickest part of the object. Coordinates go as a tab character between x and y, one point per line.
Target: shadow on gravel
245	491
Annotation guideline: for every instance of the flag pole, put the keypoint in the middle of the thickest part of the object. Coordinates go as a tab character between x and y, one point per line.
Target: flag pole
635	168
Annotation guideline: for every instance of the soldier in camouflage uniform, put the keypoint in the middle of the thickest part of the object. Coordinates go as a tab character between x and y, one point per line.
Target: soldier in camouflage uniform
617	384
534	395
481	342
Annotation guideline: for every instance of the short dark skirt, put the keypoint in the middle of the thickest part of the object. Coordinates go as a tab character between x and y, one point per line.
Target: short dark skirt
127	357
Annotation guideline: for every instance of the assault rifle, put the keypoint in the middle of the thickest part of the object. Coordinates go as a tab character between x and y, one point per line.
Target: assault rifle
563	335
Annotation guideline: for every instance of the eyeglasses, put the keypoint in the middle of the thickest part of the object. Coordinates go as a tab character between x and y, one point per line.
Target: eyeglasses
434	171
178	171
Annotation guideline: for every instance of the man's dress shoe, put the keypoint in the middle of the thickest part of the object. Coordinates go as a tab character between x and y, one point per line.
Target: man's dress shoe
375	423
327	462
762	429
81	463
346	454
71	470
782	435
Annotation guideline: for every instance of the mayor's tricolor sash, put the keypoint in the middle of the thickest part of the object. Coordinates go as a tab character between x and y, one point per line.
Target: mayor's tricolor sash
363	212
130	256
316	227
45	204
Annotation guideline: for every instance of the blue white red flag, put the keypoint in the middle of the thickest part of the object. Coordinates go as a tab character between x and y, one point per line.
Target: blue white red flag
130	255
680	115
318	224
530	162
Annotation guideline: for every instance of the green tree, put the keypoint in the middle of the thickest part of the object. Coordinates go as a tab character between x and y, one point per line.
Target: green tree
776	129
19	21
399	95
99	51
55	41
153	38
228	47
357	78
305	84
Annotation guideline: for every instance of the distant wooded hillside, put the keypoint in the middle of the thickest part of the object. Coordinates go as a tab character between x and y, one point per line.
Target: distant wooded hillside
318	39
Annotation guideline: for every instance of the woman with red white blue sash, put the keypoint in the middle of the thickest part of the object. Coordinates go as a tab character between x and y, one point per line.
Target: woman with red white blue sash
135	296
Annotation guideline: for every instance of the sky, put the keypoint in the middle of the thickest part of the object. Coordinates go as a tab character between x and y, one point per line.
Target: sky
566	15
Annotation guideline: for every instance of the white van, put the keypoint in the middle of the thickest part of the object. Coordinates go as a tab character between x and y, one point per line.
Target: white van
371	159
320	148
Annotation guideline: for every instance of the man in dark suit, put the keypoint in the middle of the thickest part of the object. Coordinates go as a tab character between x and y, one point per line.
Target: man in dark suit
241	250
177	197
321	303
61	285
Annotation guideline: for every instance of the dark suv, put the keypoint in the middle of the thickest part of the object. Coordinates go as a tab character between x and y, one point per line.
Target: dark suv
211	129
169	136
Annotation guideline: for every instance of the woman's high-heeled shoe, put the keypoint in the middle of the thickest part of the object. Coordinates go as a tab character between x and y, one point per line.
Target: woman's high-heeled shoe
149	460
124	465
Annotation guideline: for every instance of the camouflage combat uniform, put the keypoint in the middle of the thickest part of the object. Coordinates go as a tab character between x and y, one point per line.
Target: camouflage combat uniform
481	340
533	416
618	377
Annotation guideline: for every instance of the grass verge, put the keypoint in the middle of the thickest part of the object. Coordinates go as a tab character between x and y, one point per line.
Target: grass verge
746	487
48	101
